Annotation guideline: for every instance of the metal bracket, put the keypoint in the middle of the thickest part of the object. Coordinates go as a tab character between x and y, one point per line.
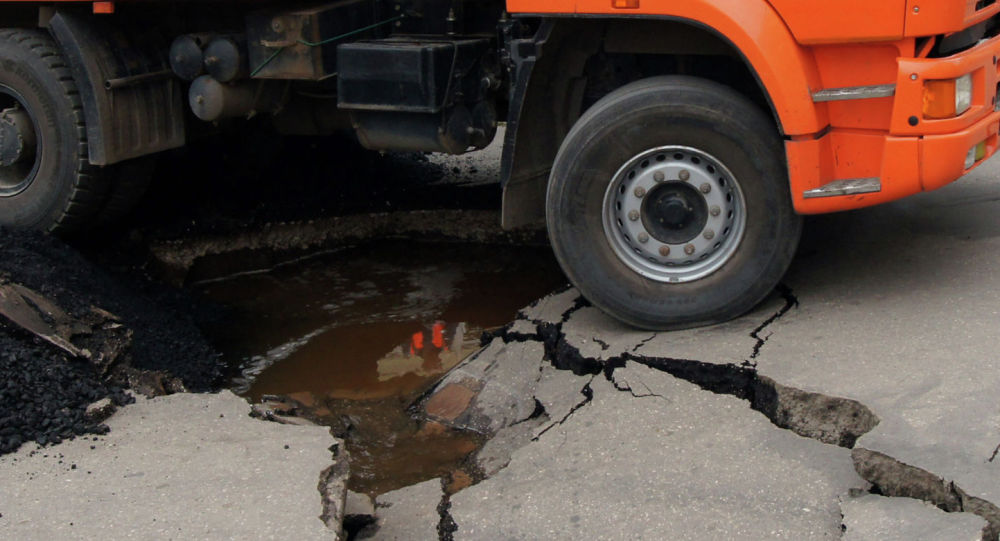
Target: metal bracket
850	186
854	93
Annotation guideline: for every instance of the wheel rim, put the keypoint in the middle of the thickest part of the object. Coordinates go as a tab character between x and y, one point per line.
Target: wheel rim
20	150
674	214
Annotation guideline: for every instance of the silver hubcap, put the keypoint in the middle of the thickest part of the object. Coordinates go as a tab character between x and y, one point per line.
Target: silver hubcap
674	214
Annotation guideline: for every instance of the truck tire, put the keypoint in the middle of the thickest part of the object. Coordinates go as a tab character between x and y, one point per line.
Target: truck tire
46	182
128	181
668	204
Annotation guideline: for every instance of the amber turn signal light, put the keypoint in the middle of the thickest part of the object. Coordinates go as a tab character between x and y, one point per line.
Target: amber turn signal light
625	4
947	98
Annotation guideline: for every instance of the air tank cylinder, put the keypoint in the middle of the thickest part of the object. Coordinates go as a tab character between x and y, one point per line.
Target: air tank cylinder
211	100
187	55
226	58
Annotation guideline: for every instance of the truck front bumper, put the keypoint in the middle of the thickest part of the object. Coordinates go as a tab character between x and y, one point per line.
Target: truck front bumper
916	153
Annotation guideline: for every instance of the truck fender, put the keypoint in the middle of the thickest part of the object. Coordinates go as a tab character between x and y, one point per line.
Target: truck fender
784	70
132	103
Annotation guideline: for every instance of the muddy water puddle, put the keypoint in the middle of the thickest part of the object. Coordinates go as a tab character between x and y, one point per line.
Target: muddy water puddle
354	336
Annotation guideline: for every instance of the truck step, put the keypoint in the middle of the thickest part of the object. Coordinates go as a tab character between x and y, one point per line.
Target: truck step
847	186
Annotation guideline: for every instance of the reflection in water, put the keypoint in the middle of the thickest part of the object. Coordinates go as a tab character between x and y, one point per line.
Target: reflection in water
358	334
426	357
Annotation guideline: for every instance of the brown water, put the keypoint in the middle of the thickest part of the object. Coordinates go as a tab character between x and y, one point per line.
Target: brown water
356	335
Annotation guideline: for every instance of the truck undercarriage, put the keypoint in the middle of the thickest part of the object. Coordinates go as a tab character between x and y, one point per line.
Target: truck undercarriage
668	147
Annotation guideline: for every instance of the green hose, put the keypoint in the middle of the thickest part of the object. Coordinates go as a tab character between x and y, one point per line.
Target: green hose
324	42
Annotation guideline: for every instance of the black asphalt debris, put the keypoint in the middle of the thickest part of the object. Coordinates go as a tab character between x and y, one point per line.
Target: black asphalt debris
44	392
166	337
43	395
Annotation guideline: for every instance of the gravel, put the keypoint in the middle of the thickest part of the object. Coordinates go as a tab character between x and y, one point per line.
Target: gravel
43	395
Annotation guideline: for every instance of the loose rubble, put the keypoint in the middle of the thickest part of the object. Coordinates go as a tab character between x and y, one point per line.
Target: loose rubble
71	335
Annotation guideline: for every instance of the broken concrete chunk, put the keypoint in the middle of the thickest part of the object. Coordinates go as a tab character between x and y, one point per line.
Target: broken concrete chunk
878	518
453	399
491	390
358	504
495	455
34	313
553	308
409	513
99	411
522	327
596	335
333	490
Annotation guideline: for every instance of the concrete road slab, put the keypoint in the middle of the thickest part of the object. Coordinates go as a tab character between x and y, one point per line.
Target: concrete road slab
681	463
877	518
895	307
177	467
410	513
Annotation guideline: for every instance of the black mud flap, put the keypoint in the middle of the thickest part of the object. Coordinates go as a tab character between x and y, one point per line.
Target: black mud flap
132	103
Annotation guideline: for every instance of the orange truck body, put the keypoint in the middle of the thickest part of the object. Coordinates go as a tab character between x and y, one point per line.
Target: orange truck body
800	47
797	48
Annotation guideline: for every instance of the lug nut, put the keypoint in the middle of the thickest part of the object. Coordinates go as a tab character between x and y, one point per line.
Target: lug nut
689	249
684	174
659	176
664	251
643	238
715	210
633	215
705	188
640	192
709	235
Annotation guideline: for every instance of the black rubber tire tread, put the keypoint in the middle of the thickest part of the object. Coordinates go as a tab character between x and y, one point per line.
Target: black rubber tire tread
127	182
86	188
663	111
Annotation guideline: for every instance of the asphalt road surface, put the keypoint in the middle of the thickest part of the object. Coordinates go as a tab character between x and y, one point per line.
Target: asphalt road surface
860	402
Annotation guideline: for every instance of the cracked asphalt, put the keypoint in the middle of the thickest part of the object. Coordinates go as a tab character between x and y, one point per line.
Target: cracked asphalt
859	402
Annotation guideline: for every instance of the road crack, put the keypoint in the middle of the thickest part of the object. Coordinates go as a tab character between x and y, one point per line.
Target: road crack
447	526
890	477
791	301
828	419
609	374
588	395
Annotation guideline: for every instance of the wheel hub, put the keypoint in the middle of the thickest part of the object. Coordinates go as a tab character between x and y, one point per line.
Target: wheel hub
674	214
17	137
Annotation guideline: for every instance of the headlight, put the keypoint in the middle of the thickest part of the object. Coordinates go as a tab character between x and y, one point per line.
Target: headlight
947	98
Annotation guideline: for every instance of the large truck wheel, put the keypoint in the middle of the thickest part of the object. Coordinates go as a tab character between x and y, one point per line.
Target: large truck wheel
46	182
668	205
128	181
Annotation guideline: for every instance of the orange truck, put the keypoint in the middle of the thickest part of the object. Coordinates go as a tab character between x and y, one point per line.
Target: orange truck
669	146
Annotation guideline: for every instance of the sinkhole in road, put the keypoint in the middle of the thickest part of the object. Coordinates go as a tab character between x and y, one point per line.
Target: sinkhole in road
355	334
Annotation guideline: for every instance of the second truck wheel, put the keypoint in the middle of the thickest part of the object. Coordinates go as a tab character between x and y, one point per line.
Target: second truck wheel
45	180
668	205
